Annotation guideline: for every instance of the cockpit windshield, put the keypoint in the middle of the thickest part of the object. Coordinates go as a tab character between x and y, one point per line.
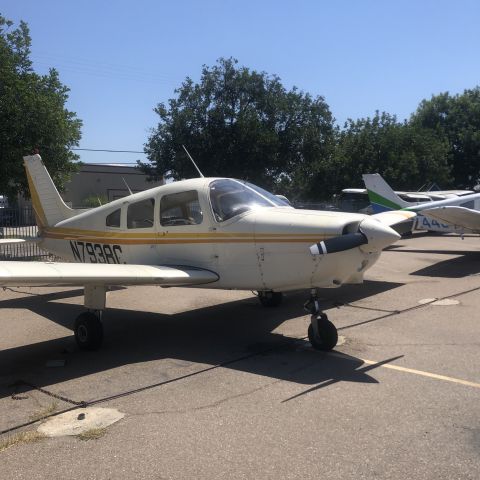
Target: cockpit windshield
232	197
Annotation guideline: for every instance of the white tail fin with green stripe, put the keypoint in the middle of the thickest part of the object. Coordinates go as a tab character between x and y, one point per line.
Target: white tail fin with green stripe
381	195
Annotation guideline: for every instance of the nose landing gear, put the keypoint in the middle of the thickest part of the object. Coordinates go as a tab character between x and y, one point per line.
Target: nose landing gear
322	333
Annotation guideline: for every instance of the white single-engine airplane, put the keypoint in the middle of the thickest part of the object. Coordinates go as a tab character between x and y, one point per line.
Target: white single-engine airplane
204	232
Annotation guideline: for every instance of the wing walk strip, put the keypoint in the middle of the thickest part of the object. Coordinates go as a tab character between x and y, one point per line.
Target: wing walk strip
421	373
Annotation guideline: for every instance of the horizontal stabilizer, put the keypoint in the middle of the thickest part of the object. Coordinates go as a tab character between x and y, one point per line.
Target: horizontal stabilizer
45	274
17	241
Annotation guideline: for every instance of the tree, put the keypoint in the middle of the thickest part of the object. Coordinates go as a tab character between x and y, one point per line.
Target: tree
241	123
32	114
456	120
407	155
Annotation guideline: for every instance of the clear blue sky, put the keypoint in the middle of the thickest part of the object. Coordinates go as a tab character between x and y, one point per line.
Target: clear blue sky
121	58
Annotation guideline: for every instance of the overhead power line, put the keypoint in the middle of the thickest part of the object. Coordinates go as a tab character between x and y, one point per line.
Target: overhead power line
113	72
106	150
120	164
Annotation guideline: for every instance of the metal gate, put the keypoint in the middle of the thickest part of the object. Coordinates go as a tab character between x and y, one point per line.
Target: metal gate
20	223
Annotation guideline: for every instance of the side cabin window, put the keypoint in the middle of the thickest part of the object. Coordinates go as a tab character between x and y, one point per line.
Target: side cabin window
181	208
113	220
140	214
470	204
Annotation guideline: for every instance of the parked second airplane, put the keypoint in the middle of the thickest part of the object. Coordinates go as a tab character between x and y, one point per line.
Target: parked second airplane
457	214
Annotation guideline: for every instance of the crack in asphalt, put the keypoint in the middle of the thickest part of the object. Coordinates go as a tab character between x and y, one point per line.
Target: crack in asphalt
208	405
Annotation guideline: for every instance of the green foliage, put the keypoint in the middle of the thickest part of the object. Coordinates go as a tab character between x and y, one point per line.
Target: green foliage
455	120
32	114
93	201
407	155
241	123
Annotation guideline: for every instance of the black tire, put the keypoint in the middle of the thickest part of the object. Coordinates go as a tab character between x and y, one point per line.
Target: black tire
88	331
327	336
270	299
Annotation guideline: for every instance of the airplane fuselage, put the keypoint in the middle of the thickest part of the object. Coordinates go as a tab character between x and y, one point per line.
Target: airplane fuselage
184	223
214	232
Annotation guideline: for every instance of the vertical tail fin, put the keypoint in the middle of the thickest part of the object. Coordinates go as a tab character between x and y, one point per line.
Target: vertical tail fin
47	203
381	196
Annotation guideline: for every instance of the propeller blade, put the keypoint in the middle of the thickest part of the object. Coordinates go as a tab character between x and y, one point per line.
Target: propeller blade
339	244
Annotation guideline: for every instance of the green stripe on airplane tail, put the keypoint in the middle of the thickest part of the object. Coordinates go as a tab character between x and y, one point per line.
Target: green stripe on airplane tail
384	202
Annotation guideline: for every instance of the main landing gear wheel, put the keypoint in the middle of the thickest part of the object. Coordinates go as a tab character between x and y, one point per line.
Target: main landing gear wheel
322	333
88	331
270	299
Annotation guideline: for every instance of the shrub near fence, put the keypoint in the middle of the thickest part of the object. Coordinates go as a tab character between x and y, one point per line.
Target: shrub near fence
20	223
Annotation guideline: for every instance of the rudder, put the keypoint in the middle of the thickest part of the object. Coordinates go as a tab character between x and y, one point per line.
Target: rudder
47	203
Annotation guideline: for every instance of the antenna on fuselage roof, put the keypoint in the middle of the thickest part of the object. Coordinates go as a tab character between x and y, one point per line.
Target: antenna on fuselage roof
193	161
126	184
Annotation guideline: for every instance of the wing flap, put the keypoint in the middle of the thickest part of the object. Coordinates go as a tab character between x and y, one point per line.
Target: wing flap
461	217
47	274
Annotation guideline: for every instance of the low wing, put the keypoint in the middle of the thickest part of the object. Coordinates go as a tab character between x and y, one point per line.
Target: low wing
45	274
11	241
461	217
394	217
400	220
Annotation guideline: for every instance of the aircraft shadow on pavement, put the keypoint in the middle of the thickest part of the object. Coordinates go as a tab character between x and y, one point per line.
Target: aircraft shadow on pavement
239	334
465	263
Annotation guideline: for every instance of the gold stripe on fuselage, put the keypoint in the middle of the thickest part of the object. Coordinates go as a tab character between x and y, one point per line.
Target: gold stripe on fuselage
126	238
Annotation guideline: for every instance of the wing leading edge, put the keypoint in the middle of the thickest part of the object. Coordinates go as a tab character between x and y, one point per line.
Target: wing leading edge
400	220
47	274
394	217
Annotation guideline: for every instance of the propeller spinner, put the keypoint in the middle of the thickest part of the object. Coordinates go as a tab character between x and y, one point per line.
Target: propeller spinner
372	236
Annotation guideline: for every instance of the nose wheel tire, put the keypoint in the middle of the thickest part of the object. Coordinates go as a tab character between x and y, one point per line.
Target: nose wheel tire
324	336
88	331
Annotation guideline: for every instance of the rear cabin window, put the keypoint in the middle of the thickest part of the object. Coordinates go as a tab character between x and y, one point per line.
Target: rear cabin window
113	220
470	204
140	214
181	208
